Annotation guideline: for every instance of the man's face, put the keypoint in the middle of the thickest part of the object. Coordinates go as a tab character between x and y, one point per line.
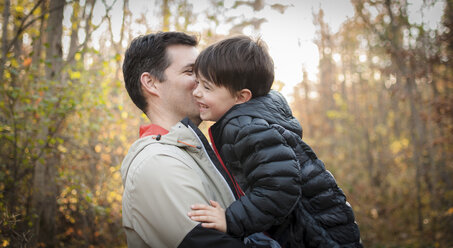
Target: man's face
180	82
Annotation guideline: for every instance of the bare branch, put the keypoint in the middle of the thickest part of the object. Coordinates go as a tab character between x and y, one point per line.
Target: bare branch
23	26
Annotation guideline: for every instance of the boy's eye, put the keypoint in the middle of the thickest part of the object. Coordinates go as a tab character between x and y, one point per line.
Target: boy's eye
206	86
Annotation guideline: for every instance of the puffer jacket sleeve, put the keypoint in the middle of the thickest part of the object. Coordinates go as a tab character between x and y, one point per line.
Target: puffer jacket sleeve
271	173
325	202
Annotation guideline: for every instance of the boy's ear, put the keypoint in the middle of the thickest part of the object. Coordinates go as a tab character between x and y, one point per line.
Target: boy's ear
148	83
243	96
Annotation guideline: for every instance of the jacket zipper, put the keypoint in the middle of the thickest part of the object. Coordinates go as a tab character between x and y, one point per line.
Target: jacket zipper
237	188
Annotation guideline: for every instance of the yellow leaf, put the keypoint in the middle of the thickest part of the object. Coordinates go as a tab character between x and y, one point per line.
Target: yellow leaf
78	56
450	211
144	117
74	75
14	63
19	9
399	145
98	148
62	149
5	243
117	57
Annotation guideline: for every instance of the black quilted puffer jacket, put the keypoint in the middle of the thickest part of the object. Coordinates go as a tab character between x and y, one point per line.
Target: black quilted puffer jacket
288	191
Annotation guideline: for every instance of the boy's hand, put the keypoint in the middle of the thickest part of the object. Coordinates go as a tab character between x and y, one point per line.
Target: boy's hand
211	216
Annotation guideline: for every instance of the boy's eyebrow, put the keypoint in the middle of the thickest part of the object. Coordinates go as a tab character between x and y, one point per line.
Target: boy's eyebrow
204	81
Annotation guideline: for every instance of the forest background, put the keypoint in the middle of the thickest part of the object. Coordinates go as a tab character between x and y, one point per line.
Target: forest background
379	113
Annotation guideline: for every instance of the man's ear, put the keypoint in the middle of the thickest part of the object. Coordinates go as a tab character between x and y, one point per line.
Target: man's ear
148	83
243	96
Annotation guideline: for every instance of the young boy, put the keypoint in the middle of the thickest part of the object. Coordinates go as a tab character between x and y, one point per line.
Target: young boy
288	192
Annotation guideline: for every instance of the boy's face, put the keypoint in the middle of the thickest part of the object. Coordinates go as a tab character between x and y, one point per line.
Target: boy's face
213	101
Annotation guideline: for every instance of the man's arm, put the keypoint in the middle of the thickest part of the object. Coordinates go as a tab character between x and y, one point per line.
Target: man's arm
162	193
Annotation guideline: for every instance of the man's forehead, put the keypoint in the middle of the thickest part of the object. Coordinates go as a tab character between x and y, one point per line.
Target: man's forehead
182	54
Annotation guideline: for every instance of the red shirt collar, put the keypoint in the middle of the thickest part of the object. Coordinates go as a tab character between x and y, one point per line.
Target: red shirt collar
152	129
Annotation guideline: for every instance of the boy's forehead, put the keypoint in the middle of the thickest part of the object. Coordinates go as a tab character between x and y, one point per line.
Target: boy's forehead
202	78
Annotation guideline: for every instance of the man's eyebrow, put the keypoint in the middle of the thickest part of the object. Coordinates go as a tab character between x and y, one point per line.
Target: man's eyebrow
190	65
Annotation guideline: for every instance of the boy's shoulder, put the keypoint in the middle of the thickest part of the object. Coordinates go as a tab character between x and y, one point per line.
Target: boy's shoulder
246	120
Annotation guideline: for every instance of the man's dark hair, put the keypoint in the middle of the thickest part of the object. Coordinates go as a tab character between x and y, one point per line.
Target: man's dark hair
237	63
148	53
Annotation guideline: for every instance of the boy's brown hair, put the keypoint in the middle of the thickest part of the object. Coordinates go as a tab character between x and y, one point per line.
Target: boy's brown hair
237	63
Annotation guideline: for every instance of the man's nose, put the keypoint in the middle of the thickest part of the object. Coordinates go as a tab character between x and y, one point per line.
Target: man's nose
196	92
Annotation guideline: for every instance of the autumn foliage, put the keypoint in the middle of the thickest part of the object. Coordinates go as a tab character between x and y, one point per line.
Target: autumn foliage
380	115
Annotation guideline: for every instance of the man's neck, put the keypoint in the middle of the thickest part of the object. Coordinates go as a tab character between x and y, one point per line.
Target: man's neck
161	118
167	121
164	123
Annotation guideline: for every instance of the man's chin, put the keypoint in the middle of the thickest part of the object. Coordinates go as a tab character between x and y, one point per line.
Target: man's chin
196	120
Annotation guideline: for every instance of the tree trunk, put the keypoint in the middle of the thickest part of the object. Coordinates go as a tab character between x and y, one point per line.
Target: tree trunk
45	173
44	201
6	14
165	15
54	52
417	135
306	87
74	41
37	44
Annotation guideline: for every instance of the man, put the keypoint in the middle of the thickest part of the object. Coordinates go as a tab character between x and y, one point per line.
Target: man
171	166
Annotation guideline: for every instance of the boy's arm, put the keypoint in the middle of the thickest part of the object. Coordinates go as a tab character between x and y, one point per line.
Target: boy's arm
272	173
162	193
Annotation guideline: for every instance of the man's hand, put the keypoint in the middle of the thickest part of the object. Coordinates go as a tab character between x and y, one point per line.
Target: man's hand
211	216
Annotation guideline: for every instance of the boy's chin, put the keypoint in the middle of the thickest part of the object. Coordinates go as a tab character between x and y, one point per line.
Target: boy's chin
206	119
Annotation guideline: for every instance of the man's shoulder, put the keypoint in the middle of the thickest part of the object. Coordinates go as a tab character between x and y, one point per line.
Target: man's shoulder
149	148
150	159
162	149
155	156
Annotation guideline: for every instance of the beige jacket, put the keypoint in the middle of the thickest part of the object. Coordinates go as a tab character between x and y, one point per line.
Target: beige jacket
162	179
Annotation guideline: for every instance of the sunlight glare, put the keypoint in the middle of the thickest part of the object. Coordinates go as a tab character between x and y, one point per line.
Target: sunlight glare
336	57
362	58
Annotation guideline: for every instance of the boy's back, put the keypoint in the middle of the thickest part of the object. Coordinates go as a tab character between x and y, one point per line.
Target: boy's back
255	140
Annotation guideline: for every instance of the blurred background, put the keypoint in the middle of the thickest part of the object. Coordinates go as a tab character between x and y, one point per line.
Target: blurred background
371	82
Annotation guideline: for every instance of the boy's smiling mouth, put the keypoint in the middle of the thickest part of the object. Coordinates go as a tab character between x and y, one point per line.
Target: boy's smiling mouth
202	106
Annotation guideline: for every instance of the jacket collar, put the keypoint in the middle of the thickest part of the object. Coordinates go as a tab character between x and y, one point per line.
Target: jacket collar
272	108
152	129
